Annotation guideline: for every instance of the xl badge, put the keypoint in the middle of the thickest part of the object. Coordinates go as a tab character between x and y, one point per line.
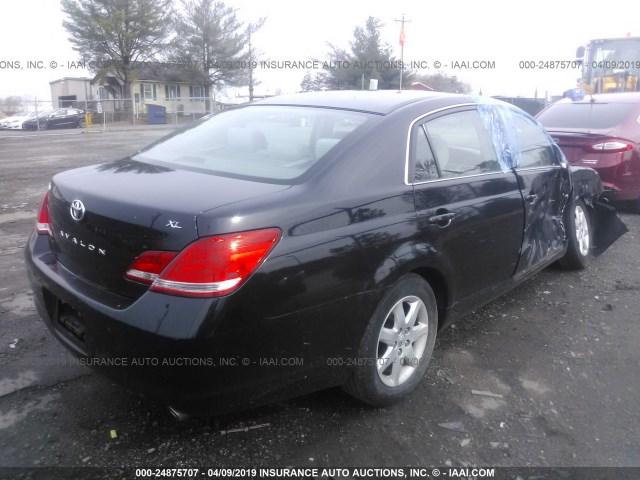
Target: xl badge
173	224
77	210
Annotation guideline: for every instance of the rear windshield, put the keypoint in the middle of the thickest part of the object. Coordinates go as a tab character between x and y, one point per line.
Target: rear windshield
276	143
585	115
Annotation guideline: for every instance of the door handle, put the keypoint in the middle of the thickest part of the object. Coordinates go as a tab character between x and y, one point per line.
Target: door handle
443	219
531	198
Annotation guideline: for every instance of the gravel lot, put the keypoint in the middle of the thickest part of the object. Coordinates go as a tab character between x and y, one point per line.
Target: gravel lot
560	354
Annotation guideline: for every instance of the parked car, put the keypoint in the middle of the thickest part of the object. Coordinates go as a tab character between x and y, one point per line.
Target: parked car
39	121
15	121
601	132
303	242
67	118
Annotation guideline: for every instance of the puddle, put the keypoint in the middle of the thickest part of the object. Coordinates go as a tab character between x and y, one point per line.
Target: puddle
16	415
20	305
10	385
534	386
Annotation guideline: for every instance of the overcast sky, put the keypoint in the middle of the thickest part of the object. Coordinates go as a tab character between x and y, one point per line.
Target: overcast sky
446	31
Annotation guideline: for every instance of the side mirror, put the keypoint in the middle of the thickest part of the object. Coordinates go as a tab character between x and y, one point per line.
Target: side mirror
580	52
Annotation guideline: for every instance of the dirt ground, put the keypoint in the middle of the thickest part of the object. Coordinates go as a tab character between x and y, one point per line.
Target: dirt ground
560	356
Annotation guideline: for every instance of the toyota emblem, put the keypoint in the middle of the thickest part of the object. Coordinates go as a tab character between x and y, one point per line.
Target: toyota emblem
77	210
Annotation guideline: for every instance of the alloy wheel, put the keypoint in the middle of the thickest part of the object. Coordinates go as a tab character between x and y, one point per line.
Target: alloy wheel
582	230
402	341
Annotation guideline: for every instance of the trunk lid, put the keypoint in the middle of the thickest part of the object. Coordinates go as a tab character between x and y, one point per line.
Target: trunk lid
575	145
104	216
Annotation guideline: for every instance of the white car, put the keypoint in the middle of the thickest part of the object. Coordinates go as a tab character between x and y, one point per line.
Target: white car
14	122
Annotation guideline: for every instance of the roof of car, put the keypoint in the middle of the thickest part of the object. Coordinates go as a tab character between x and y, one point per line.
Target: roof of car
626	97
375	101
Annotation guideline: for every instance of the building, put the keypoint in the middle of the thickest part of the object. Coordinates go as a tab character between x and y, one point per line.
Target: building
72	92
172	86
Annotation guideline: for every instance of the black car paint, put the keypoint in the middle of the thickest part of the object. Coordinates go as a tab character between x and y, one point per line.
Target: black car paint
38	122
125	228
66	118
351	228
546	193
60	118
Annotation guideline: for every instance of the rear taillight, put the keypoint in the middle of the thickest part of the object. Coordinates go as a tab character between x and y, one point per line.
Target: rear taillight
208	267
43	224
611	146
148	266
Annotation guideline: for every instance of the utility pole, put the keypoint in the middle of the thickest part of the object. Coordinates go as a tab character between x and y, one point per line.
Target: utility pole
402	22
250	57
252	53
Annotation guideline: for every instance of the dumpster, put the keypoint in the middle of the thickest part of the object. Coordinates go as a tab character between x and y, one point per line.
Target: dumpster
156	114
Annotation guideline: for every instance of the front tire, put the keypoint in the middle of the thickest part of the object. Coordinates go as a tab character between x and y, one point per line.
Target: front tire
580	238
397	344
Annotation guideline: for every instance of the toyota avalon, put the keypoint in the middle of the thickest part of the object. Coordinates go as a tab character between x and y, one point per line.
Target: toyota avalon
304	242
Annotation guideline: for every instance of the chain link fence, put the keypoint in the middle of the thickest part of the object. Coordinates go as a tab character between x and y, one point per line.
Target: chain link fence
114	113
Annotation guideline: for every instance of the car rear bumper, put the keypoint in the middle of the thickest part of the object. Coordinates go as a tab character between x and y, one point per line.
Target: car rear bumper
620	195
620	174
628	189
197	355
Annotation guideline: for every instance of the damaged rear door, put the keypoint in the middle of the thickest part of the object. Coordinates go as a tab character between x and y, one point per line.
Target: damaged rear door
469	210
545	184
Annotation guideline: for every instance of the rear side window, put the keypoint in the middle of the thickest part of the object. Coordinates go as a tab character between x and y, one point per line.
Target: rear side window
536	147
585	115
461	146
272	143
425	162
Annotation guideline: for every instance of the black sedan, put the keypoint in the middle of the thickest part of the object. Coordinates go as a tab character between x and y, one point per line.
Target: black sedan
304	242
38	122
59	118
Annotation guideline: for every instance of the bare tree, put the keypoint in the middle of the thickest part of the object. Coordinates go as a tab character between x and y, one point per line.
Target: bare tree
115	36
11	104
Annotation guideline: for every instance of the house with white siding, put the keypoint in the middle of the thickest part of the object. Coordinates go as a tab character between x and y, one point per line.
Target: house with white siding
172	86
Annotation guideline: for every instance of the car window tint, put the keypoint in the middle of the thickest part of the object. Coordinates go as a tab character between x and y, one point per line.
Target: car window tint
536	147
585	115
424	162
263	142
461	144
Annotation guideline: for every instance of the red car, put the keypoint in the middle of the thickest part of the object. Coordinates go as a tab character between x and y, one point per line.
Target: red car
601	132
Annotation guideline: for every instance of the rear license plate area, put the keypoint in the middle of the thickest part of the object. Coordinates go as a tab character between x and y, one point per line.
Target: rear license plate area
70	323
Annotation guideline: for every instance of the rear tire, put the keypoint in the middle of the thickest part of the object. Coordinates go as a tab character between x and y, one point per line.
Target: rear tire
580	237
397	344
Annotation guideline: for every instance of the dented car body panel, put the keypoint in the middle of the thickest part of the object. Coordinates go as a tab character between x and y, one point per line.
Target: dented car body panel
469	194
